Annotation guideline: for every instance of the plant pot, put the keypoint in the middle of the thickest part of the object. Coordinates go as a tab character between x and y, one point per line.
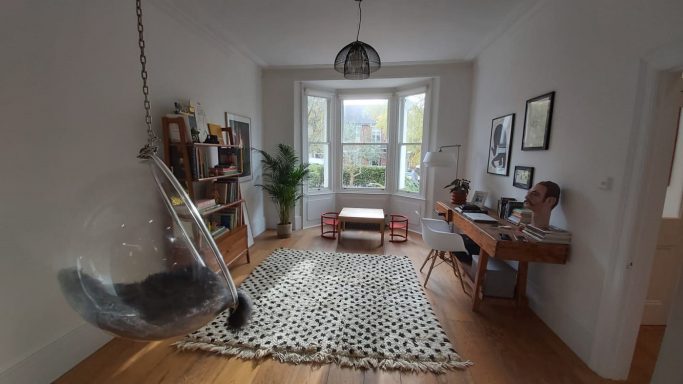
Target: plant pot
458	197
284	230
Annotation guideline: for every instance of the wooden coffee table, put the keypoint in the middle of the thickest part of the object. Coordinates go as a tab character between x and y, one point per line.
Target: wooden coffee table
362	215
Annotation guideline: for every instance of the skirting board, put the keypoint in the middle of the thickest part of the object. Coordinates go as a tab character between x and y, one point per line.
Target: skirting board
56	358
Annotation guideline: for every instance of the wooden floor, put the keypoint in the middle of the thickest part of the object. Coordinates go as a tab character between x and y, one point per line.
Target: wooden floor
506	344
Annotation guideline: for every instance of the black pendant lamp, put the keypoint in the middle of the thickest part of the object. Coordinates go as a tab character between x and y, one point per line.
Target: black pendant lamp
357	60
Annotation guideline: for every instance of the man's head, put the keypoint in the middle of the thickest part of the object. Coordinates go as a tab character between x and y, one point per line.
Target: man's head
544	195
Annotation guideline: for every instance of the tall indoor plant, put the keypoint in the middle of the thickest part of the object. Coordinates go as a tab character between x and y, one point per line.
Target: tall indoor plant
283	177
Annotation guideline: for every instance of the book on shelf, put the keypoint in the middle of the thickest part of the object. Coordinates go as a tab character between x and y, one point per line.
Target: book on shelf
219	230
550	234
226	191
510	207
561	240
502	206
202	204
520	216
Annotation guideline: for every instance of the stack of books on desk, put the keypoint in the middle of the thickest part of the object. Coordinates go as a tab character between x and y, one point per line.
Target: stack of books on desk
520	216
548	235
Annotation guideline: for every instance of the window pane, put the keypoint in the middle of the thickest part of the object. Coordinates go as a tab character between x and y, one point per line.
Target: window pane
409	172
317	119
365	121
413	118
364	166
319	171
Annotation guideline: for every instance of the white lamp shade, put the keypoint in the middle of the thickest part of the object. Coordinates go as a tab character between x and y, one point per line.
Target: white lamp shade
439	159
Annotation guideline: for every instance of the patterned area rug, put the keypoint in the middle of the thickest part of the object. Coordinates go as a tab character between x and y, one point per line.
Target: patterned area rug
362	311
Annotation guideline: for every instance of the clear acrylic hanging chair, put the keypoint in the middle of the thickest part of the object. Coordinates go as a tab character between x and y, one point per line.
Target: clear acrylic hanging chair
145	266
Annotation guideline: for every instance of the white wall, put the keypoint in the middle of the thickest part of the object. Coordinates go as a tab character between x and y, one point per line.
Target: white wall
449	114
70	94
590	53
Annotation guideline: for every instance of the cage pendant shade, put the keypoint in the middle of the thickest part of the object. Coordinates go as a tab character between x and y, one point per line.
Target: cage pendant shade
357	61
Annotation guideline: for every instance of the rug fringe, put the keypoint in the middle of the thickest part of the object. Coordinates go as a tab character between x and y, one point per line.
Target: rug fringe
327	358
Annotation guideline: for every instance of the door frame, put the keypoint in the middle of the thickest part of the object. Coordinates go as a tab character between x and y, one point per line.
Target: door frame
630	261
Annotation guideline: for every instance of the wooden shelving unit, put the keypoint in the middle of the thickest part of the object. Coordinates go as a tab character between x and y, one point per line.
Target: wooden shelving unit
232	243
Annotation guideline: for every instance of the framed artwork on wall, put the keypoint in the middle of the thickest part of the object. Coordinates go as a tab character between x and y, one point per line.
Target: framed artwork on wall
523	177
537	120
239	133
500	145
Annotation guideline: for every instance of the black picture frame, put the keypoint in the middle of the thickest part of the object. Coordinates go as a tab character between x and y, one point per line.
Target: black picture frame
500	145
523	177
538	118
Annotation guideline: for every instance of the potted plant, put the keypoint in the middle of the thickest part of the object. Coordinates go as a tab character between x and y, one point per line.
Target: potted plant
283	176
459	188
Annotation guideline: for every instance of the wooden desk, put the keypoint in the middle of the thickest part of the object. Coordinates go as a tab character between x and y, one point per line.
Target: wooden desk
487	237
361	215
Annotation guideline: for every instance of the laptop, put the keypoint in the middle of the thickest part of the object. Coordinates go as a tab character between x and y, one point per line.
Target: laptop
480	217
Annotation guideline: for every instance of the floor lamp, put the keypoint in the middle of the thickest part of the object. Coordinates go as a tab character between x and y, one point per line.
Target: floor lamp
443	159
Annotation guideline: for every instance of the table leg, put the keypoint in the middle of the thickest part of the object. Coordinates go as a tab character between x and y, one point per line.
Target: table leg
340	225
479	279
520	290
381	229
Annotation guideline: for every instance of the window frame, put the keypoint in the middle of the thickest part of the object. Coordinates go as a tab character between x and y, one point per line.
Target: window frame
388	175
330	97
400	96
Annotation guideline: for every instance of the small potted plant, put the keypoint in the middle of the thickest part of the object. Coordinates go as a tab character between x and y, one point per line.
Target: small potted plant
459	188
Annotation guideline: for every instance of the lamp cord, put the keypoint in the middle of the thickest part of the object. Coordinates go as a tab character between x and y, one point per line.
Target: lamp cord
151	147
360	19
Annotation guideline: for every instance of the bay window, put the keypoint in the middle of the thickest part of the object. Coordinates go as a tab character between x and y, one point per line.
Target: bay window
365	143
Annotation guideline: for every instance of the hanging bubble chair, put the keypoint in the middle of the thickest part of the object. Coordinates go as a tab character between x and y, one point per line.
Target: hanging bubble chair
144	265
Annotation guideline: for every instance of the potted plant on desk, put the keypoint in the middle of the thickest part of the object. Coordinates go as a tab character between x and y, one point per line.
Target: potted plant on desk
459	190
283	177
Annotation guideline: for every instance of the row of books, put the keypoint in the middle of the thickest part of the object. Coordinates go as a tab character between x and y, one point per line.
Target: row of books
228	218
506	205
548	235
224	170
520	216
200	164
226	191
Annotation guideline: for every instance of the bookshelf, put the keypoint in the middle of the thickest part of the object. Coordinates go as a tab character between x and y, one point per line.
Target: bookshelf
210	174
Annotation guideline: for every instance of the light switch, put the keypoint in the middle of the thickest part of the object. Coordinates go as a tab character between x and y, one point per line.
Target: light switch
606	184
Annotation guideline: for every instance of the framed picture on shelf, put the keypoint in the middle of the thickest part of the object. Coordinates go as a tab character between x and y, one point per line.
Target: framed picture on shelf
537	119
217	130
239	127
479	198
500	145
524	177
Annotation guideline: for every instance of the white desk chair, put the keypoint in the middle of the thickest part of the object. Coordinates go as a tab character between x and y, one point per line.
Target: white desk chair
437	235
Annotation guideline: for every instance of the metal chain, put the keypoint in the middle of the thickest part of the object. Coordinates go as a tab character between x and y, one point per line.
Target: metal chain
150	148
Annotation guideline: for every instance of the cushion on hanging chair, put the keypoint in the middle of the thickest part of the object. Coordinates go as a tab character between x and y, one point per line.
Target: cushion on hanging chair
163	305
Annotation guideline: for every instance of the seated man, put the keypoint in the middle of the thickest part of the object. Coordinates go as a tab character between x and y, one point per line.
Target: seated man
541	199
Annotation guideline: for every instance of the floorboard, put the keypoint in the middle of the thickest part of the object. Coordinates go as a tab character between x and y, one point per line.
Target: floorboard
507	345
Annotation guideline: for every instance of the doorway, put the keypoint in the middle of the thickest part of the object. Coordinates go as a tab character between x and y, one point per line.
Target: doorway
667	265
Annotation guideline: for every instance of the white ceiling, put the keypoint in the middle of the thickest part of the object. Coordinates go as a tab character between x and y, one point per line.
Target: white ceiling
276	33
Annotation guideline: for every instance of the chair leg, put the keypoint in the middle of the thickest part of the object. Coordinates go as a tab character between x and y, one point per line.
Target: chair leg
458	273
426	260
431	267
